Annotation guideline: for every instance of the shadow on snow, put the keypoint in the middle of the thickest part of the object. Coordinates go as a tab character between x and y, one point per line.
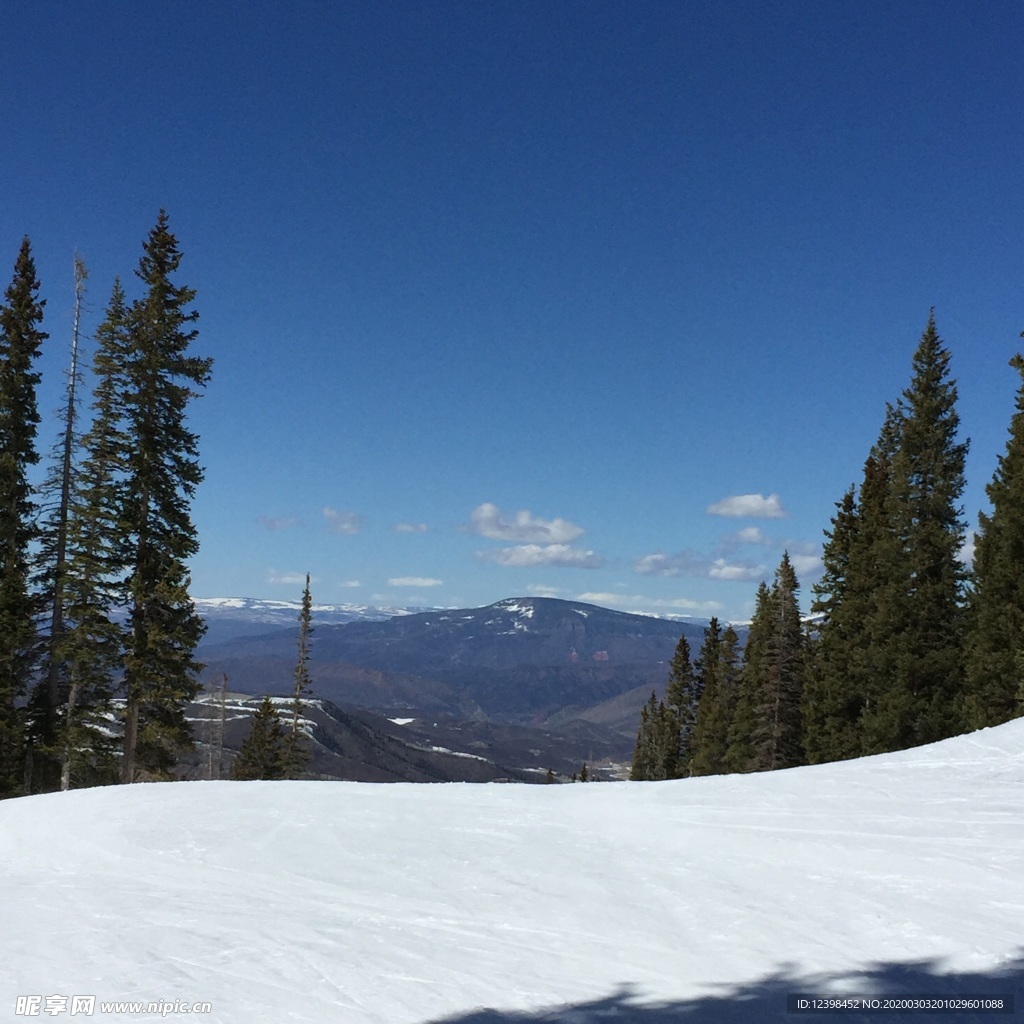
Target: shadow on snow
765	1001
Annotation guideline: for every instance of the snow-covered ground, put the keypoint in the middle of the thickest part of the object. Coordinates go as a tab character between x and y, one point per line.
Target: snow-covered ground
701	900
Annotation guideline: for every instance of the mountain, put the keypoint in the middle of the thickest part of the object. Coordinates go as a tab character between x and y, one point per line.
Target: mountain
518	660
701	901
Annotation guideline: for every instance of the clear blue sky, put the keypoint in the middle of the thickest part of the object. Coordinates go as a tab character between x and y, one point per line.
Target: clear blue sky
511	298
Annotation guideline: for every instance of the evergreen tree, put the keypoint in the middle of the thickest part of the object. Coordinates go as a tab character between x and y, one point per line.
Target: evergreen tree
717	668
43	773
777	691
916	628
682	695
995	643
161	475
263	753
297	752
834	695
90	648
649	752
739	754
20	341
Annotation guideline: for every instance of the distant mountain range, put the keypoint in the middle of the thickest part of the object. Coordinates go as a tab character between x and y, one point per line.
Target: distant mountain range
230	617
522	660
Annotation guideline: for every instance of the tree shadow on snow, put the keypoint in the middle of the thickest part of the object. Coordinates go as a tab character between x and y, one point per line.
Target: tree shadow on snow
767	1000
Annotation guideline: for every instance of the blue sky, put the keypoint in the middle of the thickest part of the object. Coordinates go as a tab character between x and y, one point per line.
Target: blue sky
598	300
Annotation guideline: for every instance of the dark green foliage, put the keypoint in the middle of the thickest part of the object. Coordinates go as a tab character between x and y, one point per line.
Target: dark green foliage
995	643
90	647
584	775
263	753
20	341
657	743
297	749
917	625
717	669
833	700
45	740
777	692
682	695
161	474
739	753
887	668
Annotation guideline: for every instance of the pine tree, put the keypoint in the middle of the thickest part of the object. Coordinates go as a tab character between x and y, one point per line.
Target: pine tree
20	341
739	754
682	695
834	695
918	621
648	757
43	772
717	668
91	644
162	473
778	689
297	754
263	752
995	643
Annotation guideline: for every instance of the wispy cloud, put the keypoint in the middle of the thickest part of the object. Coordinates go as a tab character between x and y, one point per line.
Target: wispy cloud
288	579
346	523
489	521
277	522
749	506
529	555
414	581
688	563
633	602
543	590
748	535
350	584
410	527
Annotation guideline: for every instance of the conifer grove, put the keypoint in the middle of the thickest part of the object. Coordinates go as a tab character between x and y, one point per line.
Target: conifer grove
97	629
906	642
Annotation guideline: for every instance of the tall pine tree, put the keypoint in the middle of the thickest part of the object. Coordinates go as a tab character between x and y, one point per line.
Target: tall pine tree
776	739
91	645
20	339
917	624
296	749
717	668
161	475
995	643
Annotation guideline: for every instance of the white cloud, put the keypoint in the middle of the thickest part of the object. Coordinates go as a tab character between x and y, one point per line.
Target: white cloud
967	549
414	581
345	523
410	527
687	563
277	522
543	590
752	506
489	521
528	555
720	569
685	605
350	584
748	535
288	579
805	565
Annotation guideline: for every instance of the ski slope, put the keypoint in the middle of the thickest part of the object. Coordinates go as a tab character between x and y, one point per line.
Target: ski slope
705	899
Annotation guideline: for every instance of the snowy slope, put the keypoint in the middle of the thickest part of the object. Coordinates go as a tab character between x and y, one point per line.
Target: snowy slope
704	900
